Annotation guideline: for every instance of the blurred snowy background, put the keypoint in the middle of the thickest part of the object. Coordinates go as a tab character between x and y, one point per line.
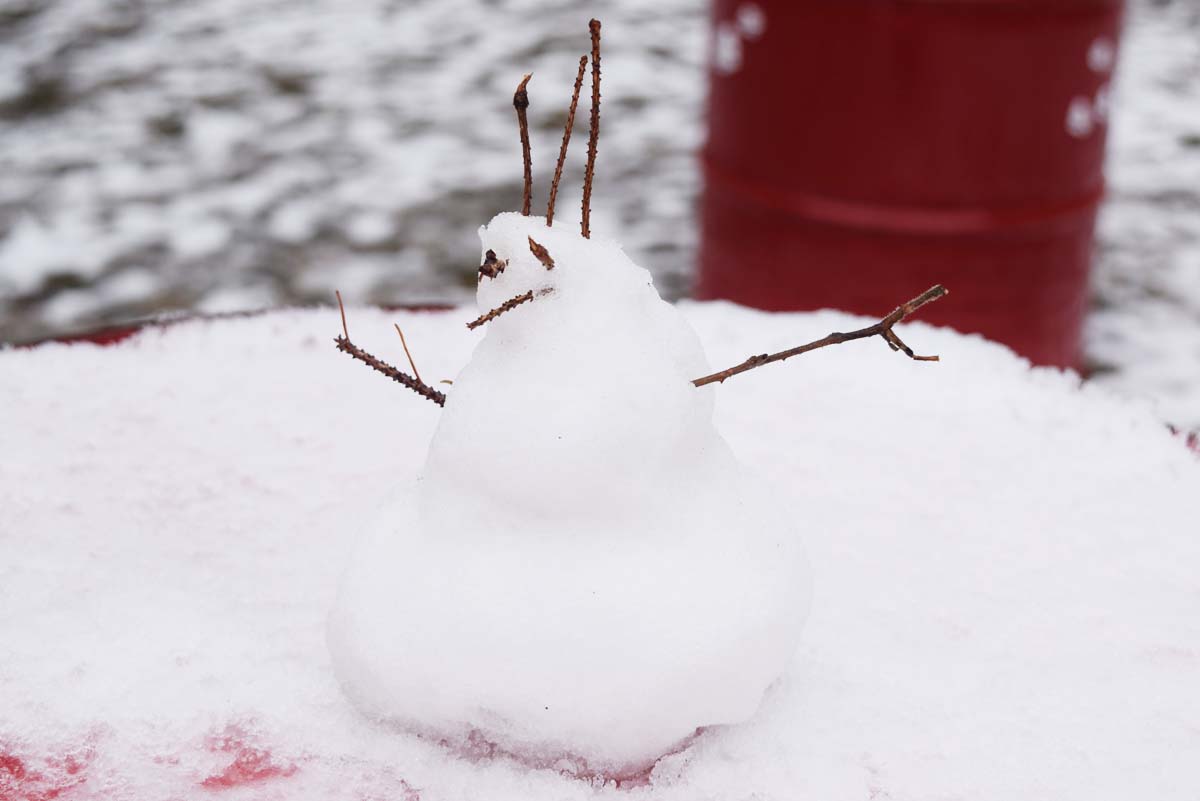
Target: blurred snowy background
214	155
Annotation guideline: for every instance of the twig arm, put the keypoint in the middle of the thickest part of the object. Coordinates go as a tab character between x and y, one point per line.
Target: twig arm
883	329
415	384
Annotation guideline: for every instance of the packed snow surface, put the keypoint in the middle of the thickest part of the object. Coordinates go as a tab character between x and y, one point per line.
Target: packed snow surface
1005	594
585	572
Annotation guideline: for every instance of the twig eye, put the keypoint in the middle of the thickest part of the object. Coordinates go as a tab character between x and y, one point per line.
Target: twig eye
491	266
541	254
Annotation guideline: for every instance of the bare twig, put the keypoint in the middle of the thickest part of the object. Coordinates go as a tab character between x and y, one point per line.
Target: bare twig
507	305
593	133
342	309
542	254
562	151
411	363
883	329
415	384
521	104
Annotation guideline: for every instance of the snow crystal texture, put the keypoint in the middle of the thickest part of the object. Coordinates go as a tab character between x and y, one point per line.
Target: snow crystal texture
1005	600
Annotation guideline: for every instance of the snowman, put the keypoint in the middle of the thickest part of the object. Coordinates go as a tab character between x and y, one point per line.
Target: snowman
582	574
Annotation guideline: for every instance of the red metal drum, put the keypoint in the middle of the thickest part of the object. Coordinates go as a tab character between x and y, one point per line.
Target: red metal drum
862	150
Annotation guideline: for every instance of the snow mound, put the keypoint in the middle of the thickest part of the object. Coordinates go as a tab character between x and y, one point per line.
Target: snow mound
585	572
1005	602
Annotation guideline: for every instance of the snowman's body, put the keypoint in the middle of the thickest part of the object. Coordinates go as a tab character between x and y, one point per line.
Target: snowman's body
583	568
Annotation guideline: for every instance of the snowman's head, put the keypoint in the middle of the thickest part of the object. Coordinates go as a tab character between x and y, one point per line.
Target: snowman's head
513	262
521	255
526	257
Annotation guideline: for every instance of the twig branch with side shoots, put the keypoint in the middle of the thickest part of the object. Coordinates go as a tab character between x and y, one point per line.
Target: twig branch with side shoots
883	329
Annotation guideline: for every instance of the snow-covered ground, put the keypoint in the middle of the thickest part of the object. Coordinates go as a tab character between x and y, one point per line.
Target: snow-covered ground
240	153
1144	333
222	154
1004	569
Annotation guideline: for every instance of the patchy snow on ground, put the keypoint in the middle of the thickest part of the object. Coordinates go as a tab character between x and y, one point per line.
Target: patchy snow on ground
1005	571
264	151
239	154
1145	330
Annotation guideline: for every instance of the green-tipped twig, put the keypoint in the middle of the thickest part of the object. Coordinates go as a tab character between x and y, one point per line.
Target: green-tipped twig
883	329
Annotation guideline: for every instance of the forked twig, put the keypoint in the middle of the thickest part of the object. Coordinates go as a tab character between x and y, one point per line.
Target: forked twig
594	133
883	329
415	384
521	104
562	151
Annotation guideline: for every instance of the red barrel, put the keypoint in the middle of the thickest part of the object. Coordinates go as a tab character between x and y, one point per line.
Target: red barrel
862	150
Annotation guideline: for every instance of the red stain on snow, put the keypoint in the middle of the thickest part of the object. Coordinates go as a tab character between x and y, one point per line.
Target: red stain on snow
251	763
25	780
14	767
